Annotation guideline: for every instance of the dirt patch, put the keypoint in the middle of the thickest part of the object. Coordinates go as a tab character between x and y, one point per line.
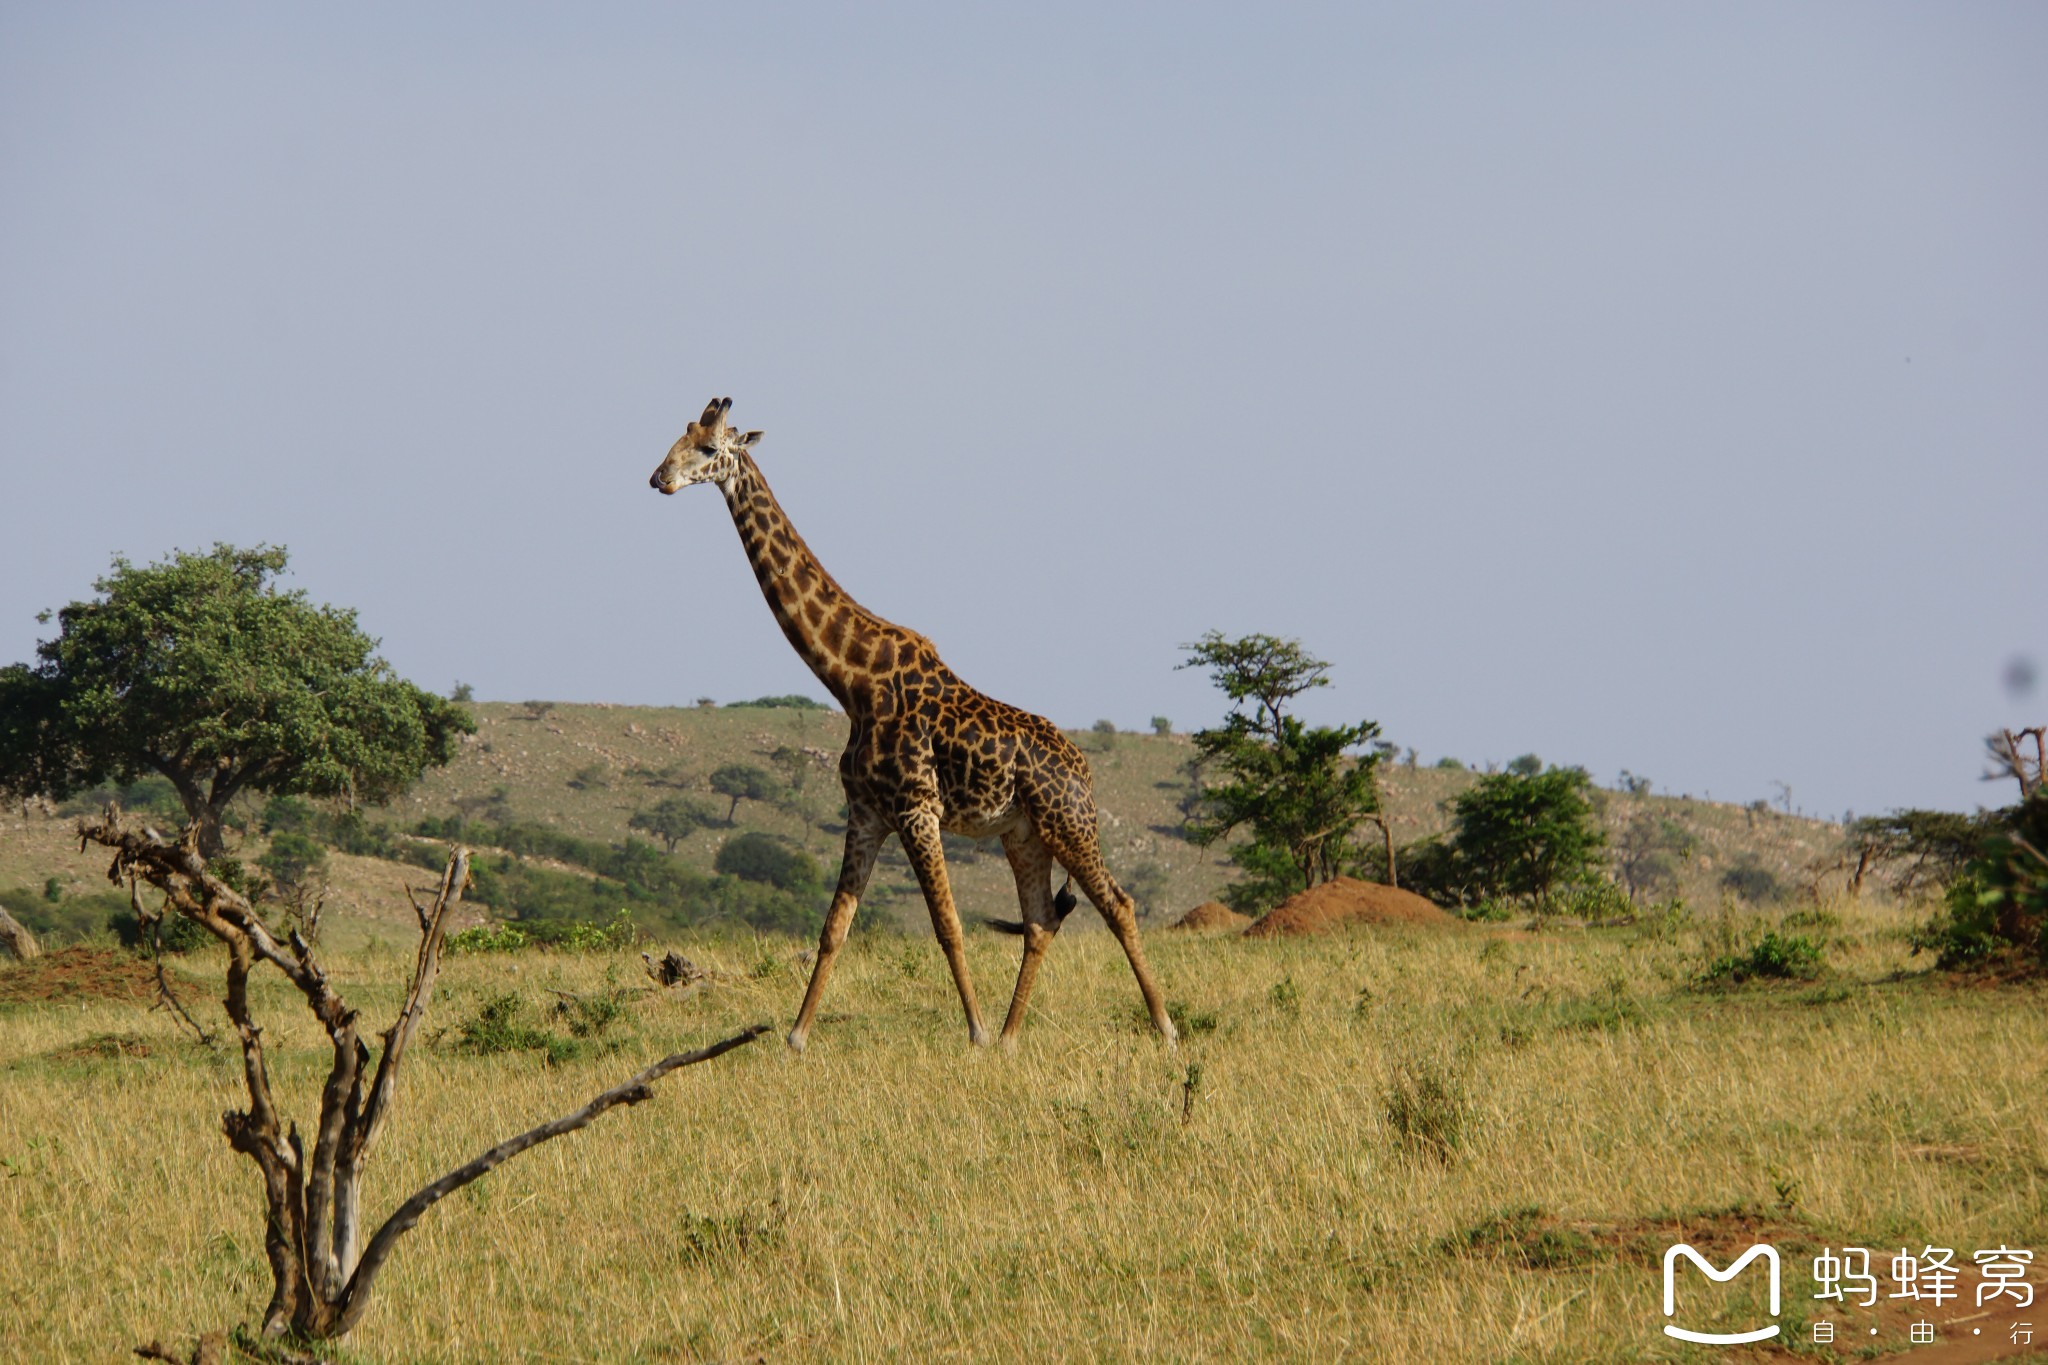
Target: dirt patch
1211	915
1349	901
81	973
103	1047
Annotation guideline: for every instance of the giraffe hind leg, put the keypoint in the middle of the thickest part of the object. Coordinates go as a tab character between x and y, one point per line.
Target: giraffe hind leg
1081	855
1031	864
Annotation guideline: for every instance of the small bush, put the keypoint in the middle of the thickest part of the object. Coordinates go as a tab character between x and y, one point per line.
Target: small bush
792	701
589	1016
1998	907
1492	910
1426	1109
757	857
499	1026
294	861
1591	900
569	936
1775	957
1751	881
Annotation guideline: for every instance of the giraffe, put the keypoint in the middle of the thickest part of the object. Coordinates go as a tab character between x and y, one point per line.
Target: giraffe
927	753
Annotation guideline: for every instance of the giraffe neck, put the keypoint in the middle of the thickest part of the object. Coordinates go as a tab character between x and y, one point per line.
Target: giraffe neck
820	619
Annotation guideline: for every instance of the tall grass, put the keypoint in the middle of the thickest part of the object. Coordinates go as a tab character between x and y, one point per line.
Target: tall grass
894	1194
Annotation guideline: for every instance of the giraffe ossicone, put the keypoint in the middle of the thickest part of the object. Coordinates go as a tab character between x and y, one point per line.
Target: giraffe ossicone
927	753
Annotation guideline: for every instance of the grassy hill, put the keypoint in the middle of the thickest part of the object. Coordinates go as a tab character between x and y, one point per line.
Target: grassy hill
582	772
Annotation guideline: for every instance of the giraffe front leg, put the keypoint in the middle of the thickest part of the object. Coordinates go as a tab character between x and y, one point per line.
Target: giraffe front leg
919	829
865	829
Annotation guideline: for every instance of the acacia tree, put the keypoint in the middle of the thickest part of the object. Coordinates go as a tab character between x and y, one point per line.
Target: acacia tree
1300	791
674	819
199	668
743	782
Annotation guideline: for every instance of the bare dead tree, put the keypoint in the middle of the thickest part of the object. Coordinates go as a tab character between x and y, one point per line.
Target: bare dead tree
321	1270
2007	753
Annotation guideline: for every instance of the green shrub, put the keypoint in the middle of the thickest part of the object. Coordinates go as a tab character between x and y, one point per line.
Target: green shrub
1775	957
757	857
792	701
1592	900
1752	881
289	815
499	1025
1998	906
293	860
570	936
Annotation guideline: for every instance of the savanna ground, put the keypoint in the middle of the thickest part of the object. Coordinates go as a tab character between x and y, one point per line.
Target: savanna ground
1458	1144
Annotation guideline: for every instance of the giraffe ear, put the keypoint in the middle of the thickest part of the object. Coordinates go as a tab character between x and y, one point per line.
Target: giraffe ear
750	438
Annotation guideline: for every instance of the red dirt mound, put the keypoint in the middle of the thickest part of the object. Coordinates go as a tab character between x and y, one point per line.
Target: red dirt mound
79	973
1348	901
1212	915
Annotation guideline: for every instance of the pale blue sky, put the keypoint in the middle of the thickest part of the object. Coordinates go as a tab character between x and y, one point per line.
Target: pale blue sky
1658	387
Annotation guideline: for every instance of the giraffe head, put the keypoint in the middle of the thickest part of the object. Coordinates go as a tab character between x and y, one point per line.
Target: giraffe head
709	452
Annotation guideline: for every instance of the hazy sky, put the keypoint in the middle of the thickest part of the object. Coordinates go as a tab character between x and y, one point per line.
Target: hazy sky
1658	387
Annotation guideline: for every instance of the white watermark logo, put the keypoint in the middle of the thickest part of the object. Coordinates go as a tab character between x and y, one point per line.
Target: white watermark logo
1767	1252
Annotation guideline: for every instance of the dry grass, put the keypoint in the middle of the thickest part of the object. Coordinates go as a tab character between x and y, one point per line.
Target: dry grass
893	1194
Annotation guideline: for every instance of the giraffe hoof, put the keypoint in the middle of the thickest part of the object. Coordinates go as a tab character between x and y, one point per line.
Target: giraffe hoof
796	1041
977	1035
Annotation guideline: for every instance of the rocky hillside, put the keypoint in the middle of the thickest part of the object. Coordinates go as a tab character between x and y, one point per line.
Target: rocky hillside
585	771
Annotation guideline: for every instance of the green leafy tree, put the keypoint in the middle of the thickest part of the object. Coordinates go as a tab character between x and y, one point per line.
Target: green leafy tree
1525	835
1299	792
674	819
743	782
200	669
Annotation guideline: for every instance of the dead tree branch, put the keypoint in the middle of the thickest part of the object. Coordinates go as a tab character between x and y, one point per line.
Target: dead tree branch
2009	758
312	1229
152	922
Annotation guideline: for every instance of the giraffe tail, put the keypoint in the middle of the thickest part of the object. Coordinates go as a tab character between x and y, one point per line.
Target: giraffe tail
1063	902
